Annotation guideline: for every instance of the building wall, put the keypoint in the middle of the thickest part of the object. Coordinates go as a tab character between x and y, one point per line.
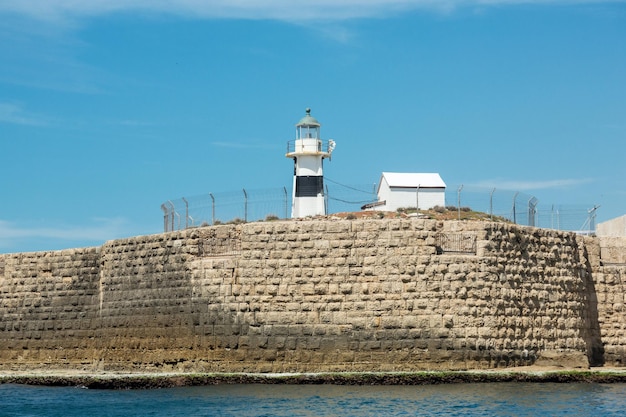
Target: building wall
396	198
361	295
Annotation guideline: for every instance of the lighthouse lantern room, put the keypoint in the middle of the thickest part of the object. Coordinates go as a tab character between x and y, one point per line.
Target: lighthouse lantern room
308	151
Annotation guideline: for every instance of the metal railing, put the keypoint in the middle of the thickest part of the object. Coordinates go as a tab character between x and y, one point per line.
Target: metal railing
455	243
310	145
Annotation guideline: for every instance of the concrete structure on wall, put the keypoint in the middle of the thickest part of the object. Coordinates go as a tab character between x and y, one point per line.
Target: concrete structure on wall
614	228
403	190
612	234
319	296
308	151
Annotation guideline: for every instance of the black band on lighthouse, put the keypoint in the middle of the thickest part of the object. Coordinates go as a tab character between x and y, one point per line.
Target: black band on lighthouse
309	186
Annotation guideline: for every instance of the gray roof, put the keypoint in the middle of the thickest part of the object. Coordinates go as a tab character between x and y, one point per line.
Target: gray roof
308	120
413	179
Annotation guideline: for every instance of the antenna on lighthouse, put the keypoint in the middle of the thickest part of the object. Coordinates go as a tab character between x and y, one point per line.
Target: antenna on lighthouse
308	151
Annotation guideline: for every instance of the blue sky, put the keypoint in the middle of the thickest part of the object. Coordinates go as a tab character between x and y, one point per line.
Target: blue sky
109	108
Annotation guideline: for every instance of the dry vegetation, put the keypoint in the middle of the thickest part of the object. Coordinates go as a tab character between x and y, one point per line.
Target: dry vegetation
436	213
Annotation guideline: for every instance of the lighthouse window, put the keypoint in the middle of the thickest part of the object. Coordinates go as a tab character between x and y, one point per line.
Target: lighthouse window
308	132
309	186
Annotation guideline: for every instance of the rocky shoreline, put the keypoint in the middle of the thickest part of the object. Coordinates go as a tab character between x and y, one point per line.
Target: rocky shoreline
168	380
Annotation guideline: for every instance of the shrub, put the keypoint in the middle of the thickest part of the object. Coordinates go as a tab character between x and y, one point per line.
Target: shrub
351	216
439	209
271	217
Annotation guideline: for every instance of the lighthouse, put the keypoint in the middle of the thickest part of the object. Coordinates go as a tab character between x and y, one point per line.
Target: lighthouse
308	151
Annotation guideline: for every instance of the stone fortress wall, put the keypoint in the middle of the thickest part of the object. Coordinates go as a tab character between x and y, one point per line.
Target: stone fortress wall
319	295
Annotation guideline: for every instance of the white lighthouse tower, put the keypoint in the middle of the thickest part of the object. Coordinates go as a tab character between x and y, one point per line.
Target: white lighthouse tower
308	152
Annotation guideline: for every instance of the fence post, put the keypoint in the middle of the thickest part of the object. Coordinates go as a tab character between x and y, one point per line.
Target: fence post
326	199
245	206
186	213
172	214
165	216
286	209
514	214
417	199
532	210
592	219
491	204
458	201
212	209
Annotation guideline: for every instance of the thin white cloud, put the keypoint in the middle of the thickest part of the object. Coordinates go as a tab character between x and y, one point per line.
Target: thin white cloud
40	51
12	113
526	185
288	10
59	10
101	231
45	54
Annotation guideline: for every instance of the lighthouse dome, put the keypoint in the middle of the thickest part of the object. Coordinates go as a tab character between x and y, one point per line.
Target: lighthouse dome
308	120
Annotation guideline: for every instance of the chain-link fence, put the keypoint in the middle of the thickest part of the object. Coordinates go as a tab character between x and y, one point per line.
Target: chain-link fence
249	205
524	209
226	207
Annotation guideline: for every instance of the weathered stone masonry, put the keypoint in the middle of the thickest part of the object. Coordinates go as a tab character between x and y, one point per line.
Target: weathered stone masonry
360	295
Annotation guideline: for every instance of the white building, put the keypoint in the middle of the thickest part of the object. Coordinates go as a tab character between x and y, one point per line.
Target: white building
403	190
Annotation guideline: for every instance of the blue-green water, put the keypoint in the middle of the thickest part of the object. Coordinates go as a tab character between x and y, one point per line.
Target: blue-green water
489	399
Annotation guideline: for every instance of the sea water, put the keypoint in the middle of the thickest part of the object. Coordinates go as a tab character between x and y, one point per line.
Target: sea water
477	399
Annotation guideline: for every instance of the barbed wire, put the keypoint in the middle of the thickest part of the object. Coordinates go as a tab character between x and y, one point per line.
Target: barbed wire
249	205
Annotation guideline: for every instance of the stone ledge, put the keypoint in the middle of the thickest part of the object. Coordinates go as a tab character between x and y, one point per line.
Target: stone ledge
167	380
